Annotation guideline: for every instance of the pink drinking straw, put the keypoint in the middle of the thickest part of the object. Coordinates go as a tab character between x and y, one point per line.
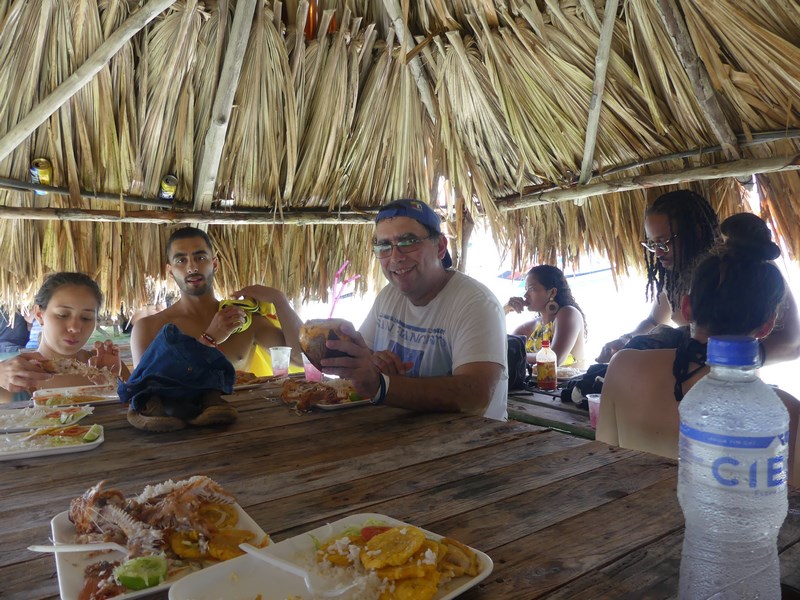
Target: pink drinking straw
338	287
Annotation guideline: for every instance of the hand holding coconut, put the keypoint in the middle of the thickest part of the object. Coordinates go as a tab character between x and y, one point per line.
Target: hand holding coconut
334	347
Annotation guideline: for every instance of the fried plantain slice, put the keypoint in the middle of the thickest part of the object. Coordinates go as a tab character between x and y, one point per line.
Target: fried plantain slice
462	555
421	588
186	544
224	545
392	548
339	553
410	570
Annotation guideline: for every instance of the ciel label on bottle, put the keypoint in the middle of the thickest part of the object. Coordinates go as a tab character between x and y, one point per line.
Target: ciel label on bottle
738	461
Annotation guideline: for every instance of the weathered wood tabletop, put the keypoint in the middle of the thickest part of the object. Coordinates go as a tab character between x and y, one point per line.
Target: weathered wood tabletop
561	516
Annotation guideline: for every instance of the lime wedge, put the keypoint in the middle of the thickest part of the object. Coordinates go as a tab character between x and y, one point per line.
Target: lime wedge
143	572
95	431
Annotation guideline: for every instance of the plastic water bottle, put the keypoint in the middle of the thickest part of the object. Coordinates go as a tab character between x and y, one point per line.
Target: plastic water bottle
546	367
732	478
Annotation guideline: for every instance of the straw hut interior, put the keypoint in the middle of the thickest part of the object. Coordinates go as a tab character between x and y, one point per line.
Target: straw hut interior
287	124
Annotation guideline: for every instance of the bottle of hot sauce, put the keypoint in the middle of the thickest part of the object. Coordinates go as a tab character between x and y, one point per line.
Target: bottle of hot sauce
546	367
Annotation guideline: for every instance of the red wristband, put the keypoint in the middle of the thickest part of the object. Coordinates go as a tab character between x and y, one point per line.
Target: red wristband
209	339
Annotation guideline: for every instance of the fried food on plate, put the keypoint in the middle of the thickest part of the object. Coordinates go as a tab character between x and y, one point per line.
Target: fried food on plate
70	366
302	395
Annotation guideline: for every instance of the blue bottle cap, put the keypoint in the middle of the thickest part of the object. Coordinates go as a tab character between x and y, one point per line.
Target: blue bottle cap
732	351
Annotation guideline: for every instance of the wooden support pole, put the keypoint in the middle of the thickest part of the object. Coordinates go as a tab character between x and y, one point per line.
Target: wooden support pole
423	85
214	143
698	76
599	86
737	168
82	75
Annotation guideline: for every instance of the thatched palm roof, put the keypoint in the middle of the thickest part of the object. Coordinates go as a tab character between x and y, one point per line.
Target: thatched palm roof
548	118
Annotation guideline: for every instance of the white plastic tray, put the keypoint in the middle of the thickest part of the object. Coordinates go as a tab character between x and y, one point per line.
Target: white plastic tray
103	394
71	565
7	452
342	405
246	577
24	419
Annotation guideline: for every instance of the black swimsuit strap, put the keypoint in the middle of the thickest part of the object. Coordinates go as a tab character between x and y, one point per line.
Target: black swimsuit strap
688	352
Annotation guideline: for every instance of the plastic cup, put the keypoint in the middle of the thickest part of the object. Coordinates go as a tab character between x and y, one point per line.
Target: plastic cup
594	408
280	360
312	373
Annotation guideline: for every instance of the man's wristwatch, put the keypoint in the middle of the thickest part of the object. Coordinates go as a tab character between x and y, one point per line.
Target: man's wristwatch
383	388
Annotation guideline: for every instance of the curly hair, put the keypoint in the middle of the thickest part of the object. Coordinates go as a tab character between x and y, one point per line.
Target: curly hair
553	277
693	221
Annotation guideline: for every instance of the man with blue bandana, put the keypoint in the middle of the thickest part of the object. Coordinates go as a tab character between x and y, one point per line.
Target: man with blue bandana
435	339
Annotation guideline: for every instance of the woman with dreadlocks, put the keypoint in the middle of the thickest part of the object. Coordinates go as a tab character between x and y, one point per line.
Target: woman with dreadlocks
680	226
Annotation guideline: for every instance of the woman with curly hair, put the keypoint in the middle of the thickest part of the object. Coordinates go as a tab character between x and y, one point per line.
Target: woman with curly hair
561	320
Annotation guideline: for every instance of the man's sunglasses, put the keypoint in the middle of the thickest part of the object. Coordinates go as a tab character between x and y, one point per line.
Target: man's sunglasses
405	246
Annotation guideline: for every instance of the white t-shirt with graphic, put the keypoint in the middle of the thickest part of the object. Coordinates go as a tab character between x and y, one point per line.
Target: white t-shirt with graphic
463	324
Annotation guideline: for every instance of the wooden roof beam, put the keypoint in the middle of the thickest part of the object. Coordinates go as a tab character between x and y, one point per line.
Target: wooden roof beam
598	87
417	70
742	168
162	217
214	143
82	75
698	76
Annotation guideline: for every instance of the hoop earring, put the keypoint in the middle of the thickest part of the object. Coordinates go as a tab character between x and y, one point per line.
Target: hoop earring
552	307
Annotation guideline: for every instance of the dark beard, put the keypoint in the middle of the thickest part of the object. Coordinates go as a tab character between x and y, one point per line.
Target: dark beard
195	291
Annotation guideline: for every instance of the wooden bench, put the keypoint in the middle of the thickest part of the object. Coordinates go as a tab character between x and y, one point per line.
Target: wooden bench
547	410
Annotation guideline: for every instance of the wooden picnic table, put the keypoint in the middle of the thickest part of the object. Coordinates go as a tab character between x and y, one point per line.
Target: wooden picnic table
545	408
561	516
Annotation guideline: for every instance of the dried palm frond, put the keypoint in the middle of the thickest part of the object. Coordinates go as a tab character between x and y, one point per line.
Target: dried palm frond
260	153
123	92
169	59
326	92
299	261
663	80
386	152
757	68
20	68
478	151
782	17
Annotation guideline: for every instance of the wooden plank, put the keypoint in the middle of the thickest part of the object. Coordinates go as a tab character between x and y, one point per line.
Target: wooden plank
651	572
551	417
647	573
450	496
271	473
538	564
548	400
